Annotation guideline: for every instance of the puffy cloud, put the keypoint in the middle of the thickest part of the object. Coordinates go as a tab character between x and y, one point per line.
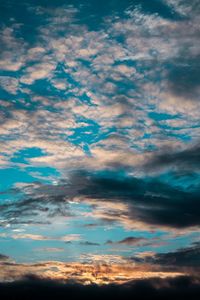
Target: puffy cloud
9	84
38	71
13	50
108	69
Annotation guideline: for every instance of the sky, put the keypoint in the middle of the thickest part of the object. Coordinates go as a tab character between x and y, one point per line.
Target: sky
99	139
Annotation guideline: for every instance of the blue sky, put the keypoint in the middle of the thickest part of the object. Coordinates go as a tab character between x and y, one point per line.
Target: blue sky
99	134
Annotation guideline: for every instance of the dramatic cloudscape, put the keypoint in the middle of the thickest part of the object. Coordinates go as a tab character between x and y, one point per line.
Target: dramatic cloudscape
100	147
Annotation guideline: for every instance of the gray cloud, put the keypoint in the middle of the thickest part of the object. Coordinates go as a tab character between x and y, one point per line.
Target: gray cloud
184	160
183	80
4	257
183	257
149	201
87	243
129	241
32	287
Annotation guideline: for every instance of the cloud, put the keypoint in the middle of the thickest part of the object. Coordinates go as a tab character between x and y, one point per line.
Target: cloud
38	237
150	201
169	288
48	116
4	257
183	257
50	122
100	270
52	249
12	56
91	225
9	84
100	100
183	8
184	79
36	72
114	196
183	160
129	241
87	243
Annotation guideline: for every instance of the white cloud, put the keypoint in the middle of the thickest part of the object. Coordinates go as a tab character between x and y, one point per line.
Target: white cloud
149	40
38	237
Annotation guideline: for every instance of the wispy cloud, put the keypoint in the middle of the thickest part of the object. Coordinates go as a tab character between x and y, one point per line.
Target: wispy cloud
37	237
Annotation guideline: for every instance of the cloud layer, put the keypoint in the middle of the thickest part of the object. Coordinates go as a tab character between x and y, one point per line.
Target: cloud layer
99	138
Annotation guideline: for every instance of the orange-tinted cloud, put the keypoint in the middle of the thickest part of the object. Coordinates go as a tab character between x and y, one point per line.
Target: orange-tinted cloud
83	273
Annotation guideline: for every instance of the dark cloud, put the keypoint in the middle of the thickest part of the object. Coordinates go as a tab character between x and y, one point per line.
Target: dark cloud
183	160
34	288
150	201
130	241
4	257
87	243
41	198
91	225
184	77
185	257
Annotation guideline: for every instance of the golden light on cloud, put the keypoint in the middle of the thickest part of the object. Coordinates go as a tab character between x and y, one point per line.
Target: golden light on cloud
83	273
